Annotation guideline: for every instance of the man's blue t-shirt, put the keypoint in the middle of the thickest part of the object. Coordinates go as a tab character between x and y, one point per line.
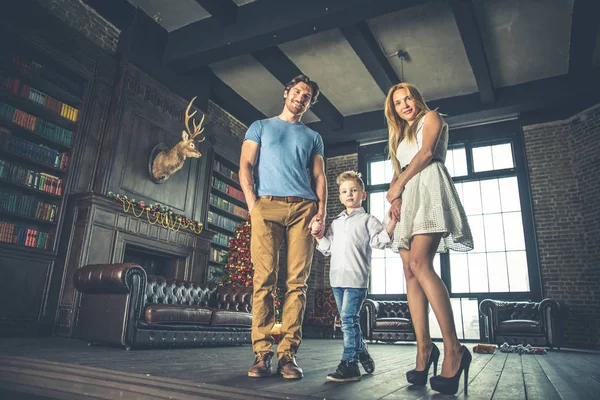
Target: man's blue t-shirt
286	150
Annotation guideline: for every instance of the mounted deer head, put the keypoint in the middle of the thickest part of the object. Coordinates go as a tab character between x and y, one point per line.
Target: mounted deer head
167	162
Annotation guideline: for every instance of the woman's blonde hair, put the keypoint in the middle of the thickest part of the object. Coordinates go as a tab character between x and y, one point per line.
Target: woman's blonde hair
398	129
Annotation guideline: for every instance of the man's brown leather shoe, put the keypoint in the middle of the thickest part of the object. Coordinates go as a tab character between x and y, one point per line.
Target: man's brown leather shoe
288	367
262	366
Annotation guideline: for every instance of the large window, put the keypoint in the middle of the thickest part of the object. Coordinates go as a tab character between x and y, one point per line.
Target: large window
488	168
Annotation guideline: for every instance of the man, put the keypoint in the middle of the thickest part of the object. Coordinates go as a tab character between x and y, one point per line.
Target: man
283	154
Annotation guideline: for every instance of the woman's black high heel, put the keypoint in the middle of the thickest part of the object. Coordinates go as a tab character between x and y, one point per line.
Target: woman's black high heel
450	385
419	378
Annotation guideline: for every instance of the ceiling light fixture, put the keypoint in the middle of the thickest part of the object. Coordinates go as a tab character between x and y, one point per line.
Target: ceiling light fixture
403	56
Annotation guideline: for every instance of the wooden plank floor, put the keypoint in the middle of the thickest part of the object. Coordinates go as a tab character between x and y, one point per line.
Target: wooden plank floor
49	368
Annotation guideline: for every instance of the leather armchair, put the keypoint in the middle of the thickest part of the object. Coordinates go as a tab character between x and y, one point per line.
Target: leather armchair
386	321
537	324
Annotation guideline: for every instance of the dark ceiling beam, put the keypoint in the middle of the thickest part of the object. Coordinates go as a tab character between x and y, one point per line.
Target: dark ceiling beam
367	48
120	13
267	23
233	103
141	43
224	11
468	110
282	68
466	20
584	31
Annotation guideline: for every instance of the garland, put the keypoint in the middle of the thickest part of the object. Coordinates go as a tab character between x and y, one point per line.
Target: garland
157	214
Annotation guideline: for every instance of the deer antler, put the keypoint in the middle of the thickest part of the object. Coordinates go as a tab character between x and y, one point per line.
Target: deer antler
198	129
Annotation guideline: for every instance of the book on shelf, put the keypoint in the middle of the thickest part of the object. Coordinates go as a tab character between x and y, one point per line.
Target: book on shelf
224	170
217	255
27	206
34	151
221	239
221	221
35	124
228	189
19	88
11	233
48	74
225	205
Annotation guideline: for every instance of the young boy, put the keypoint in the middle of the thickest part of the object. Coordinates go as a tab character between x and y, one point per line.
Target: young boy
349	240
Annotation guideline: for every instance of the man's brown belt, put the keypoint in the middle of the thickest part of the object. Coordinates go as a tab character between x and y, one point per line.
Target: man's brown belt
286	199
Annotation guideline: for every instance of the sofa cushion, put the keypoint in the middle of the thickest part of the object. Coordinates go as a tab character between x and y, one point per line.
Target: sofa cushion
392	324
519	326
161	290
230	318
177	314
234	298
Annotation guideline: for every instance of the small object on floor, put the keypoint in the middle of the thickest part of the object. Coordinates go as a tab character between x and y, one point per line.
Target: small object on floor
520	349
484	348
347	371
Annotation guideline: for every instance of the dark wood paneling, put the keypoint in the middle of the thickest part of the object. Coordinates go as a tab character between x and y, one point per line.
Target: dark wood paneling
90	136
24	281
101	242
143	136
148	114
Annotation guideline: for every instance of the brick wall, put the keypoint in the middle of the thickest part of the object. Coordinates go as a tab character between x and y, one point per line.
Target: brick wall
564	164
86	20
227	121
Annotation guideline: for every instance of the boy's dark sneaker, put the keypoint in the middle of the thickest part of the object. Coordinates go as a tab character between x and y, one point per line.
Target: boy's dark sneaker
346	371
366	361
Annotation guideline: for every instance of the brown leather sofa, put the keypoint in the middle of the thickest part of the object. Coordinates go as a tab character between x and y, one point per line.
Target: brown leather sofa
386	321
523	322
121	305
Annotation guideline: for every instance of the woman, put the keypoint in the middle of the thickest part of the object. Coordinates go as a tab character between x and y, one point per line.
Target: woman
424	199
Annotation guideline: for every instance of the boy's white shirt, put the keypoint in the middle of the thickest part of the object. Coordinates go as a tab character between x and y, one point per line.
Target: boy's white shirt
349	240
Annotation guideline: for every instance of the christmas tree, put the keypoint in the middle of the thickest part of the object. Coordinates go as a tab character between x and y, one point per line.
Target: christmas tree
238	269
238	262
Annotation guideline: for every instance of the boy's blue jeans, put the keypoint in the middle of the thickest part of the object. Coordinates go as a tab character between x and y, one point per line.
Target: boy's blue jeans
349	302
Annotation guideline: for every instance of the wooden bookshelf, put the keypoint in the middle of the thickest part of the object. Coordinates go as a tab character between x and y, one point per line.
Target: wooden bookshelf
40	104
32	107
226	206
29	189
226	213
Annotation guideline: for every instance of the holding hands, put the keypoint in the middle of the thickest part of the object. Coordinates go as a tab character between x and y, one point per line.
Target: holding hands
394	192
317	226
395	209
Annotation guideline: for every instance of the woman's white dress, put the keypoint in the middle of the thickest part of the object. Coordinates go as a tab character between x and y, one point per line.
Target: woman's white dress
430	203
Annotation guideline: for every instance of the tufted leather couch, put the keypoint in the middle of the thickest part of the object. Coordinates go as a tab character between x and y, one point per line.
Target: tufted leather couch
386	321
121	305
538	324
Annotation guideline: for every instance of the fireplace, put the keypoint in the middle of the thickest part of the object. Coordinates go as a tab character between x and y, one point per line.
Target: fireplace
154	262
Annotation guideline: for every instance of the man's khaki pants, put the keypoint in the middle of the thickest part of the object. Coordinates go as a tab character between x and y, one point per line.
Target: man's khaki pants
272	220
